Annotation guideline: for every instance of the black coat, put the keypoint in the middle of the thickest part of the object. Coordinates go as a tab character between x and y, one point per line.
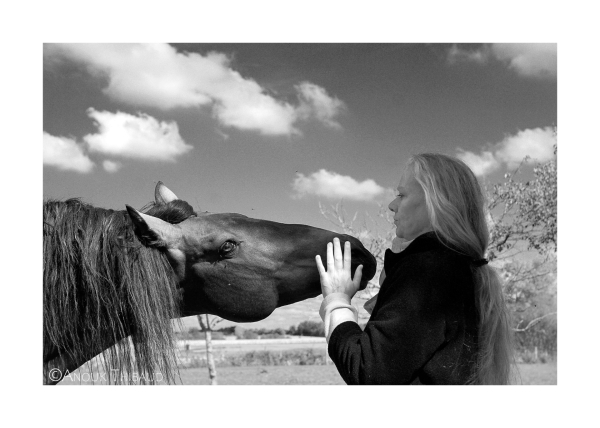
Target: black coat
423	328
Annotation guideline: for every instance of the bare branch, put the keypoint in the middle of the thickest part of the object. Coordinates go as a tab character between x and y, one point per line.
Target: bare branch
532	322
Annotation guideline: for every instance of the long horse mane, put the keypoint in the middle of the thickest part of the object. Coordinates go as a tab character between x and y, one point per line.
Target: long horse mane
101	286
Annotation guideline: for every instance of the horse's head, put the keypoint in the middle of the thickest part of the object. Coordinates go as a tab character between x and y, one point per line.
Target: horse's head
242	268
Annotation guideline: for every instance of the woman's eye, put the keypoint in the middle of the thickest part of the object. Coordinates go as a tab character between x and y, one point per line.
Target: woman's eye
227	247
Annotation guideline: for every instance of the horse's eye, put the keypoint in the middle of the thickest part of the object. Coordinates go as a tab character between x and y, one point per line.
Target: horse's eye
227	248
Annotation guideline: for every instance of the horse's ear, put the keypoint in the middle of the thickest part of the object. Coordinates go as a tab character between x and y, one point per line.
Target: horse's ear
152	231
163	195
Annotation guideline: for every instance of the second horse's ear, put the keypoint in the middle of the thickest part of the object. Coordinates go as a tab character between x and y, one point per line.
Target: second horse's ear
162	194
152	231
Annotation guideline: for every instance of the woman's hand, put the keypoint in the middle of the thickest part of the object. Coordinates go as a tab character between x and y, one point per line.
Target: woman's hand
338	276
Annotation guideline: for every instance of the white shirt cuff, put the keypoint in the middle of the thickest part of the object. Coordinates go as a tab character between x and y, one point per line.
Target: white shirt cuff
336	309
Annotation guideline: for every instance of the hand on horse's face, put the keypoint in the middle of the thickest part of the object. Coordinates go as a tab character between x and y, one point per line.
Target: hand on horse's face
338	276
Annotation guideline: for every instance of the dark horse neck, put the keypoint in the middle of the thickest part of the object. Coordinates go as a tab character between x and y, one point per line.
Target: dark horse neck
101	286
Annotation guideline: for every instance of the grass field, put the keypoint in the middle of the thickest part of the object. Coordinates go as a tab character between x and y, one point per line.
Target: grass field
531	374
285	368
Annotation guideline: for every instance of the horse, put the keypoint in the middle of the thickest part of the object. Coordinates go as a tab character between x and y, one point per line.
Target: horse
112	275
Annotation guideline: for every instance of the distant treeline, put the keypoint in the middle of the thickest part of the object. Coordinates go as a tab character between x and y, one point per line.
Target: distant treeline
537	344
305	328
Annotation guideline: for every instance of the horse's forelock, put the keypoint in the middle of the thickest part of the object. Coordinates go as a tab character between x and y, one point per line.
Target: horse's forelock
172	212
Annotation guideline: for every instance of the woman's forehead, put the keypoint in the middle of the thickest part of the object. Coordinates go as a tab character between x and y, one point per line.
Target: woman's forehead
407	179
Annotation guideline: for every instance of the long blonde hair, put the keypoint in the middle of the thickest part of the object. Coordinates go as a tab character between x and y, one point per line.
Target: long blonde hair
455	203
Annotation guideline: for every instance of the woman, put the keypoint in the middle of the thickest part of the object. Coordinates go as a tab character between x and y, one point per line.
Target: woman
440	316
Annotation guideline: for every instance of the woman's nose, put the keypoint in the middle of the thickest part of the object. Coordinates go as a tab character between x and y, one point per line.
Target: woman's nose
392	205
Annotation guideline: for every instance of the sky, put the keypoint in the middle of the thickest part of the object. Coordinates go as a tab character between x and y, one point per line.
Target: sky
271	130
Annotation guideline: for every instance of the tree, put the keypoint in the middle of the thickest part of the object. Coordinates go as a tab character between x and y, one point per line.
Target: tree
194	333
524	212
531	295
207	323
242	333
523	217
310	328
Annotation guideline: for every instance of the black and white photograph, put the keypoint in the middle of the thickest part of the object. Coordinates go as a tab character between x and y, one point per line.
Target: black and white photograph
310	214
237	164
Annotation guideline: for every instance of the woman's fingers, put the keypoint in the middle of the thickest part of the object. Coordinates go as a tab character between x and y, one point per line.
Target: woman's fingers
330	262
357	276
336	259
337	278
347	256
320	266
337	254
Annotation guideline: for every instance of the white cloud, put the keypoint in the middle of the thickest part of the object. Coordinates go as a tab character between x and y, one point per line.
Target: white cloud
157	75
151	75
316	102
247	109
110	166
537	143
119	134
456	54
527	59
138	137
335	186
481	164
65	154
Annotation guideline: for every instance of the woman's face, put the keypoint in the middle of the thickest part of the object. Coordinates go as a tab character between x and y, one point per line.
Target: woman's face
410	210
